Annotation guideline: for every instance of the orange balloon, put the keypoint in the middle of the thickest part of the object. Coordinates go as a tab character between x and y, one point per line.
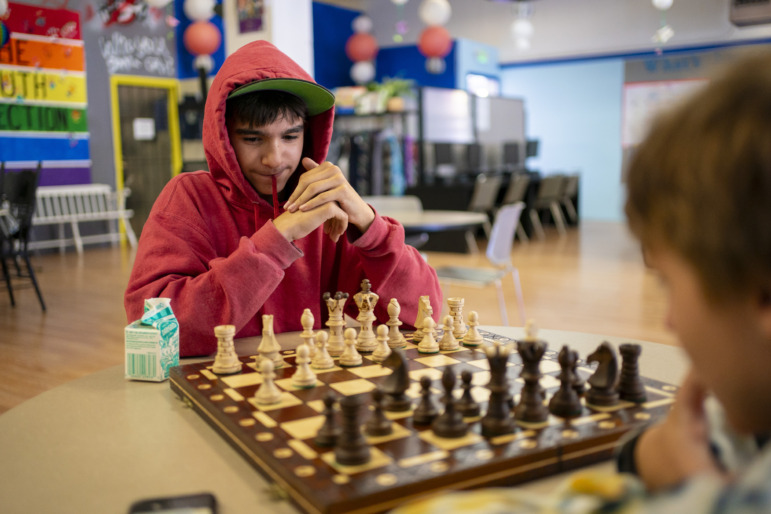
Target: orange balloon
435	41
202	38
361	47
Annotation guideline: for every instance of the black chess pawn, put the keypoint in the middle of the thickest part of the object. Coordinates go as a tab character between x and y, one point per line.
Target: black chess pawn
466	404
630	387
378	424
396	384
602	384
449	423
352	448
498	420
566	403
329	431
426	410
531	408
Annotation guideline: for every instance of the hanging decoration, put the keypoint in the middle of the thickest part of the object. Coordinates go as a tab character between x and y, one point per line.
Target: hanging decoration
362	48
122	12
435	41
400	26
522	29
201	38
3	7
664	32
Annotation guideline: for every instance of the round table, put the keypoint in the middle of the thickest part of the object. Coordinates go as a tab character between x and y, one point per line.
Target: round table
101	442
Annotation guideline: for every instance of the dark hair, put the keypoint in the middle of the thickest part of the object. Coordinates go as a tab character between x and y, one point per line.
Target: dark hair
264	107
700	183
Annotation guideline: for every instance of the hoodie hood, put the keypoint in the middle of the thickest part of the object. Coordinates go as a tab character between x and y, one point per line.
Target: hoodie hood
258	60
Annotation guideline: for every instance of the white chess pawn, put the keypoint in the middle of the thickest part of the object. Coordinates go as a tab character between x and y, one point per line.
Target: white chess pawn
382	351
304	377
428	344
473	337
226	362
350	356
448	341
531	331
395	337
268	392
322	359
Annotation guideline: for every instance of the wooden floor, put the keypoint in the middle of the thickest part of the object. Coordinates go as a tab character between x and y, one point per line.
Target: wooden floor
591	280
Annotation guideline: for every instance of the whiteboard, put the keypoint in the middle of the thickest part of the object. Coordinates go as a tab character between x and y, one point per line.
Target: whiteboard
644	100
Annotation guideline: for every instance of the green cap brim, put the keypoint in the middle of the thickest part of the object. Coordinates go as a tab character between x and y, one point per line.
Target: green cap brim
317	98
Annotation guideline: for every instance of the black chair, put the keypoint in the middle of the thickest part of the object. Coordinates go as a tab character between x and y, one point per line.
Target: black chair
19	188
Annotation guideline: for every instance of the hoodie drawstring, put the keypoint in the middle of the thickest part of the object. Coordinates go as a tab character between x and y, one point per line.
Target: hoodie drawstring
275	196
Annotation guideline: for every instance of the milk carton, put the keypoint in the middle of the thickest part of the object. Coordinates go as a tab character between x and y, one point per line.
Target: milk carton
152	342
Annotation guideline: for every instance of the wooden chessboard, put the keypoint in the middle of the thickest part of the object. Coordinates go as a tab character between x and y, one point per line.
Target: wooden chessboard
411	462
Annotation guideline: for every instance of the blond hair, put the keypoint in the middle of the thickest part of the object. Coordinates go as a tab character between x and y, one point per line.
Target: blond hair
700	183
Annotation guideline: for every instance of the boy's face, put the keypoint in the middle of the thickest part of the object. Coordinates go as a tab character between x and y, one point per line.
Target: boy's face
272	150
727	342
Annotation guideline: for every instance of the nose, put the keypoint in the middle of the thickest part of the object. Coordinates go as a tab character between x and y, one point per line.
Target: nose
271	157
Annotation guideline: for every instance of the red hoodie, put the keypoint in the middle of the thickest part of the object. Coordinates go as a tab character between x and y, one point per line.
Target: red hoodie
210	245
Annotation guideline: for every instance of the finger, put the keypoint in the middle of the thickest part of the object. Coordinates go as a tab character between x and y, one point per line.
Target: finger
308	164
307	185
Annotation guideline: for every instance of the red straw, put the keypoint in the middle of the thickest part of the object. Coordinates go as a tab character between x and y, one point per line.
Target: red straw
275	196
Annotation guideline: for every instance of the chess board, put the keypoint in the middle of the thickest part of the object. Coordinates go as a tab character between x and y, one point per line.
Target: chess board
278	440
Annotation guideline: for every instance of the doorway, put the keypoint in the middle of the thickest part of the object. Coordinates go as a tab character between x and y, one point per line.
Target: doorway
145	138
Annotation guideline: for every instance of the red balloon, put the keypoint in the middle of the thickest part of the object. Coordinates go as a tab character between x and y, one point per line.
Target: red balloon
435	41
361	47
202	38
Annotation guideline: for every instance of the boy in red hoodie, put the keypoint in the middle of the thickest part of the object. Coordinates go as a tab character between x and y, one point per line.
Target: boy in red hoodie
268	230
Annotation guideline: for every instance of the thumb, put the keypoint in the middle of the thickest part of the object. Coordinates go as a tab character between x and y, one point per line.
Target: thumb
309	163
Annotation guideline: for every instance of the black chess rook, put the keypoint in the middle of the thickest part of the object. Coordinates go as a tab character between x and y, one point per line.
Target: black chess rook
630	387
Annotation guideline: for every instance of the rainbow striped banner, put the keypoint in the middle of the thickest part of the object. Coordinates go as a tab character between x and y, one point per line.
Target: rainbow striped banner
43	94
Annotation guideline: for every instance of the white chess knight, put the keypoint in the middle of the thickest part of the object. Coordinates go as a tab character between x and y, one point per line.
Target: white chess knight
531	330
448	341
322	359
268	392
304	377
424	310
382	351
350	356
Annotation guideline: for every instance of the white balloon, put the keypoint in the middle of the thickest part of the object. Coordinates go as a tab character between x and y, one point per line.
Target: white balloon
662	5
362	24
198	10
3	7
522	28
158	4
363	72
203	61
399	2
435	65
522	43
435	12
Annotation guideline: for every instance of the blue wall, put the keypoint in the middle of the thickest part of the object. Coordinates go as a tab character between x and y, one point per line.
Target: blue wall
475	57
331	30
407	62
575	111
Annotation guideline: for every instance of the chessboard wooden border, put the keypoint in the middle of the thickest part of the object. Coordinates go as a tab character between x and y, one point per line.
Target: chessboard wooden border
496	472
